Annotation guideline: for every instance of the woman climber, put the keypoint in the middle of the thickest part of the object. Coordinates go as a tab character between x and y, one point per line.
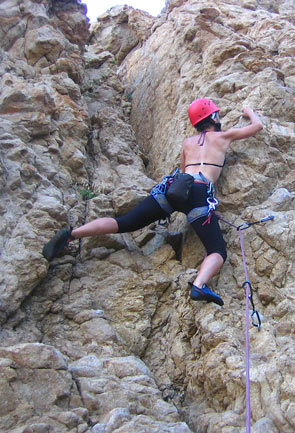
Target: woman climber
202	158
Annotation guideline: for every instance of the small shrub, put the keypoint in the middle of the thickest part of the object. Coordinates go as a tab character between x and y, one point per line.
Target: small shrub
87	194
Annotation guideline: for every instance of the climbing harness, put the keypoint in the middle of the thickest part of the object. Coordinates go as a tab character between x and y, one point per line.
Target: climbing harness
161	195
212	201
160	192
254	315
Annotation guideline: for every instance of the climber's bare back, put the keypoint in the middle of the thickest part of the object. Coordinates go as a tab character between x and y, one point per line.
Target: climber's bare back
211	152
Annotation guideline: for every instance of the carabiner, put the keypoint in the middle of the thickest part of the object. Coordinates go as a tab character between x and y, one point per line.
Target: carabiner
256	315
211	189
212	202
271	217
244	226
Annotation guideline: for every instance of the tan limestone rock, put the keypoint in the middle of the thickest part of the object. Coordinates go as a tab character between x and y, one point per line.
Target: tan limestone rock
105	338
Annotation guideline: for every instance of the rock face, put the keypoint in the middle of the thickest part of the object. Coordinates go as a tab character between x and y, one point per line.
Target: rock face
105	339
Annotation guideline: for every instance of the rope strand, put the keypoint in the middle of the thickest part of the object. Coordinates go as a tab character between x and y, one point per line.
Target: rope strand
249	295
247	341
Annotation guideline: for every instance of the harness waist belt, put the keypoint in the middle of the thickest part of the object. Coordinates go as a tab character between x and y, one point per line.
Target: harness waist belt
199	177
201	181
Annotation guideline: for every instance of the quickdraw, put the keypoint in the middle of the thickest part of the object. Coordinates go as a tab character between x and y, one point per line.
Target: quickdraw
247	224
212	202
254	314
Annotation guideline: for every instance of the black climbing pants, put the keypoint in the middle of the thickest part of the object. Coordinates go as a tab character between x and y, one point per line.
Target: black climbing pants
149	211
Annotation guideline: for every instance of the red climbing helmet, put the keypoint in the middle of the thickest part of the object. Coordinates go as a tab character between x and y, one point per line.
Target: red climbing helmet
200	109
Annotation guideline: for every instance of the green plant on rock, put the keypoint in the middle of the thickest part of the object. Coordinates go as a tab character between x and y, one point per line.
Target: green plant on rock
87	194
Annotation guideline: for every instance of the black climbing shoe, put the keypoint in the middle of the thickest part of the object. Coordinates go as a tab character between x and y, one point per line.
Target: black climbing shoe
204	294
57	243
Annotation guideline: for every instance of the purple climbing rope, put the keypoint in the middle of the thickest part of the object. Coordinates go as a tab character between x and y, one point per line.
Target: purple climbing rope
247	340
249	294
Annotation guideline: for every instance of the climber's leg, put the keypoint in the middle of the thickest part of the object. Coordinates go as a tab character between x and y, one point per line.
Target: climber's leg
142	215
211	237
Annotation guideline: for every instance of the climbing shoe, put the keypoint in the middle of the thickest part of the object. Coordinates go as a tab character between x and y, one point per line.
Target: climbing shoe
57	243
204	294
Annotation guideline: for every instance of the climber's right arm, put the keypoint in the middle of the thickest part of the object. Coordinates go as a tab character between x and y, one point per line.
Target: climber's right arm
247	131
